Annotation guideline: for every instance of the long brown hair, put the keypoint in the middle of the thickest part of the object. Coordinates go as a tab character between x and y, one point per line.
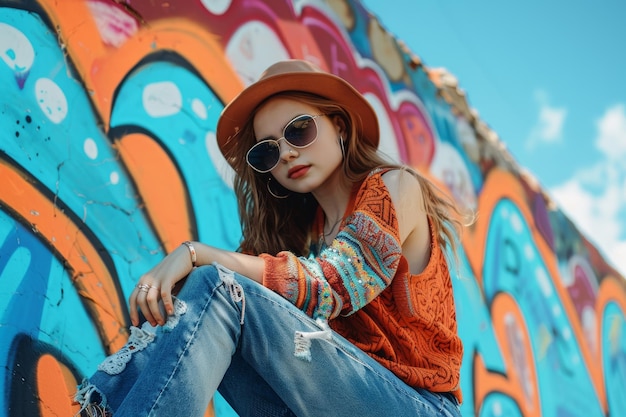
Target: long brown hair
271	224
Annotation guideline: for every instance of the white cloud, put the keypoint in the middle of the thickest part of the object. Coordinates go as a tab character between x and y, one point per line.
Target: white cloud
612	133
595	198
549	125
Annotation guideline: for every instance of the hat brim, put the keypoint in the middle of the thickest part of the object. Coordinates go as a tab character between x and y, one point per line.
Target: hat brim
334	88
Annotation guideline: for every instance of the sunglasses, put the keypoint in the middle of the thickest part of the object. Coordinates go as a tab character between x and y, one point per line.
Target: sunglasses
300	132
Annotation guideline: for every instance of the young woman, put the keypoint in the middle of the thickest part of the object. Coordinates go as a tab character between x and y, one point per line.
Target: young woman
339	301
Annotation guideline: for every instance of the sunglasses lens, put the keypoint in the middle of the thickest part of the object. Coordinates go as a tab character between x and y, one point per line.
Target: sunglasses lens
264	155
301	131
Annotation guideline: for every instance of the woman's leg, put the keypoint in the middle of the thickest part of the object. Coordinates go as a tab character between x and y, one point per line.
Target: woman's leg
330	377
248	393
173	369
304	365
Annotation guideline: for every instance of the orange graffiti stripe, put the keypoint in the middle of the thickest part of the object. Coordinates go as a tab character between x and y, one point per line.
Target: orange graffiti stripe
500	185
612	290
56	386
90	275
510	326
161	188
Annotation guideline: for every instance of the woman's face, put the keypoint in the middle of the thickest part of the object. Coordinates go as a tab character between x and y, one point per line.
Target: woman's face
301	169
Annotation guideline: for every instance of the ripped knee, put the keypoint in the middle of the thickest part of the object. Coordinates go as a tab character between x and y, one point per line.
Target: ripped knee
92	402
140	338
234	288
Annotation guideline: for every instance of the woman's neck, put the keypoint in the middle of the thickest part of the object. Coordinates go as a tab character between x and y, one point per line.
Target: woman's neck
333	200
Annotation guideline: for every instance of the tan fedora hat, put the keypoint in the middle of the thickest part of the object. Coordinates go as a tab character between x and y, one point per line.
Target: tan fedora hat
297	75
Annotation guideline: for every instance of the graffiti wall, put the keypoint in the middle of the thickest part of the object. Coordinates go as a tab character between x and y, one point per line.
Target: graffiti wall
107	118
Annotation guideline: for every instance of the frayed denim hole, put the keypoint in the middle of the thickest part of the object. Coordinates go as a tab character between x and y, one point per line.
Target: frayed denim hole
302	340
138	341
180	308
234	288
92	402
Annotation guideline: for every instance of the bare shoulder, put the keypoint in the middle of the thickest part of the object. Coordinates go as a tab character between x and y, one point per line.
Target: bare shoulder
403	186
407	198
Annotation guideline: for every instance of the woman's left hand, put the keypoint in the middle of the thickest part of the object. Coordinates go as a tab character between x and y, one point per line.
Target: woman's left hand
156	285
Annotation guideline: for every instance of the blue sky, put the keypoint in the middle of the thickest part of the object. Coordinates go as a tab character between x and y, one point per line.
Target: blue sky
549	78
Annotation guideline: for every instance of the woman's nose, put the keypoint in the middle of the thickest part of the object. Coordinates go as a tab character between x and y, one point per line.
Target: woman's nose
286	151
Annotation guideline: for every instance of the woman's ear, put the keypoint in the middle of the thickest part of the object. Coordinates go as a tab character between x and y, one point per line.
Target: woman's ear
340	125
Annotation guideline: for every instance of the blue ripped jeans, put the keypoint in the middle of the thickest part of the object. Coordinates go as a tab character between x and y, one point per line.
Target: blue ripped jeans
266	358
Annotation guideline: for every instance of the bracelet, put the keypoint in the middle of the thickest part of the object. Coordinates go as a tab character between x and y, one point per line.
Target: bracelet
192	252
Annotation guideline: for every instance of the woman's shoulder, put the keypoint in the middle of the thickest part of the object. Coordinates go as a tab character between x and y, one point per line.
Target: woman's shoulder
393	171
399	183
402	182
406	195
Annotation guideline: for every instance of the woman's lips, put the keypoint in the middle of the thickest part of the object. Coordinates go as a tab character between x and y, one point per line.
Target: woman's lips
297	171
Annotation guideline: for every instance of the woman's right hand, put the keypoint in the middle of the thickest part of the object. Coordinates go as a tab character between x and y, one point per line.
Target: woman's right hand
157	284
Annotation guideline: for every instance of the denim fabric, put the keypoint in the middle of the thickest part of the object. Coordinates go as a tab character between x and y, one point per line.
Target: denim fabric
266	357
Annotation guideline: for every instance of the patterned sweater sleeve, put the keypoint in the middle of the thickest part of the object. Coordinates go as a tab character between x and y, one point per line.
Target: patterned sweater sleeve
358	265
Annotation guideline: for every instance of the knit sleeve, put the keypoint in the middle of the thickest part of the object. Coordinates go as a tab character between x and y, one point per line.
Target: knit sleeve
358	265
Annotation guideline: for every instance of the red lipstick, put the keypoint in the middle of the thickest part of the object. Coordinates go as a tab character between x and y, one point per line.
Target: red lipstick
297	171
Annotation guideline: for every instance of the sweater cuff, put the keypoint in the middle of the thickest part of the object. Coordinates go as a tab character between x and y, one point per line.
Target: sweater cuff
275	271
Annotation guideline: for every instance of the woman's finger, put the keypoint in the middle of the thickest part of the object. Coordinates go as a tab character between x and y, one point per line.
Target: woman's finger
157	285
166	296
132	301
142	302
152	299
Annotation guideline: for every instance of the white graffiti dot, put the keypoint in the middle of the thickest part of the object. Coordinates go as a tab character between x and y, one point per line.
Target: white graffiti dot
219	162
567	334
114	24
51	100
217	7
516	223
114	177
556	310
497	408
15	49
252	48
199	108
589	320
162	99
449	166
544	281
90	148
529	252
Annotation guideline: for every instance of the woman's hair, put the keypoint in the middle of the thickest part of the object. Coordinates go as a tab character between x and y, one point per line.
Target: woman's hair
271	224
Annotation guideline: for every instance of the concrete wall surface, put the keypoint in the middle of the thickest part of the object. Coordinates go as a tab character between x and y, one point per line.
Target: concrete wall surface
108	161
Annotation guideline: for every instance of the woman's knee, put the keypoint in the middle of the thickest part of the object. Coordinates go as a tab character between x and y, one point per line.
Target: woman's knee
202	278
205	281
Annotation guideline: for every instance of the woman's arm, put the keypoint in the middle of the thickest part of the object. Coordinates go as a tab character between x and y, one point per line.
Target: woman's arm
323	286
176	266
408	200
365	255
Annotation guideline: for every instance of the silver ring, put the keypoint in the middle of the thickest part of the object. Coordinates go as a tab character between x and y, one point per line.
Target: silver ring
143	287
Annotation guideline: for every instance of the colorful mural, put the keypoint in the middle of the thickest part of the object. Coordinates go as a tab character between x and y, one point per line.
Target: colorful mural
107	116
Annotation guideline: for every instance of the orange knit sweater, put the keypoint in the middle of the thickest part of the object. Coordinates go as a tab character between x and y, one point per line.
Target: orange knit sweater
362	286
